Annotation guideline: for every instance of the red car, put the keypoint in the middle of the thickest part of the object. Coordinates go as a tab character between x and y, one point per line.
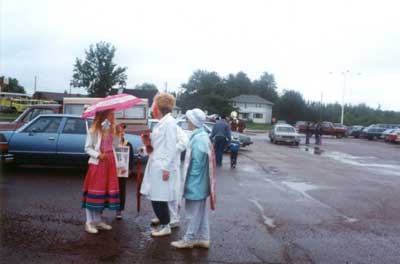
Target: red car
393	137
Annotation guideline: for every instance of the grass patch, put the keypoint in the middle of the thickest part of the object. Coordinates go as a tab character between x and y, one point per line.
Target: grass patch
8	117
258	126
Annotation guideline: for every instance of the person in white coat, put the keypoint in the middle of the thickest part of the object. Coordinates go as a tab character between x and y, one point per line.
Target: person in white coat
159	176
174	206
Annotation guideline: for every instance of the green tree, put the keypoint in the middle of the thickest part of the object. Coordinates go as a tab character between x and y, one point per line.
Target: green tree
98	73
147	87
13	86
238	84
266	87
205	90
291	106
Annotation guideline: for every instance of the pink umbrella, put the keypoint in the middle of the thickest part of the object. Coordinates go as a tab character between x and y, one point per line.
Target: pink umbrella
116	102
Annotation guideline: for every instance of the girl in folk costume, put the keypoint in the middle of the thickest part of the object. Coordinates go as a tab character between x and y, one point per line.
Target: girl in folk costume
159	177
199	183
100	188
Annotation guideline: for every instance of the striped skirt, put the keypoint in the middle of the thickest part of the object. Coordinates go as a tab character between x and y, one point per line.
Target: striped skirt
100	188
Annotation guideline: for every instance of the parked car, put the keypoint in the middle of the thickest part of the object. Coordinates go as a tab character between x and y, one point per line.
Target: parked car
387	132
374	132
301	126
327	129
56	139
243	139
393	136
284	133
29	114
354	131
340	129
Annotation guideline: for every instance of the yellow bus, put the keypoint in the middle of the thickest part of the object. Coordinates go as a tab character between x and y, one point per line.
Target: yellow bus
19	102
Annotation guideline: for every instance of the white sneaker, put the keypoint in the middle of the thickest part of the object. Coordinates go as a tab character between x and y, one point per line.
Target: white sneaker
165	231
155	221
103	226
202	243
91	229
182	244
174	224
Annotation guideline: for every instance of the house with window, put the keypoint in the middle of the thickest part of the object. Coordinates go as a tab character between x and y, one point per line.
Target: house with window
253	108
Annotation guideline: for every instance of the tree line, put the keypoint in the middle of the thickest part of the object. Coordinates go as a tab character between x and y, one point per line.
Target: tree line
98	73
209	91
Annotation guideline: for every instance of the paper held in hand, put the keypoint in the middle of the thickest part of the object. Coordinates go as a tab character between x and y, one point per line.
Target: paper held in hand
122	154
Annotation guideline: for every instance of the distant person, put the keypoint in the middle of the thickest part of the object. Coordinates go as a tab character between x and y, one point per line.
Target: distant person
318	133
242	126
199	183
234	150
100	188
123	175
221	136
308	132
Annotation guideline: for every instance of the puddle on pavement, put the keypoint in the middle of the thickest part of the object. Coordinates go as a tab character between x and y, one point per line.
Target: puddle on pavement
359	161
268	221
367	162
303	188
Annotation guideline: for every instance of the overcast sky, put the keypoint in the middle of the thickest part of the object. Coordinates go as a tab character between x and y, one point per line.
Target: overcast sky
300	42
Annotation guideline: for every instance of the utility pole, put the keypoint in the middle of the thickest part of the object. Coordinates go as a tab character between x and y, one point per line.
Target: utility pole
320	109
166	87
344	88
345	74
34	86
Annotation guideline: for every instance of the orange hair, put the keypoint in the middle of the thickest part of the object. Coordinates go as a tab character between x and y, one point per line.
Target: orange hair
99	118
165	103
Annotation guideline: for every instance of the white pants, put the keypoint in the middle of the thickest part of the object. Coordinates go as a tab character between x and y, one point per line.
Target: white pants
173	211
92	217
198	227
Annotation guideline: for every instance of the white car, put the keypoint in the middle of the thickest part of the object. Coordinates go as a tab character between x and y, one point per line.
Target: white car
284	133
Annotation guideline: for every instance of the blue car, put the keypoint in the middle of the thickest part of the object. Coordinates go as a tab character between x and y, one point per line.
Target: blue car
54	140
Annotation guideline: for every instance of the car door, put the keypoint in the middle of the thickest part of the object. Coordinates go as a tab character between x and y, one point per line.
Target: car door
71	142
37	142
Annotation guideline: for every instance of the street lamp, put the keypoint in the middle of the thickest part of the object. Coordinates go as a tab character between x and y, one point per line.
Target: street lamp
345	74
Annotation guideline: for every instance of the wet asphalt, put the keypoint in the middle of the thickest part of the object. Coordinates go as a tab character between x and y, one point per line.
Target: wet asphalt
282	204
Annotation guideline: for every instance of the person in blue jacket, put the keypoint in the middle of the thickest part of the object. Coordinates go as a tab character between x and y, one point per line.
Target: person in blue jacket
197	184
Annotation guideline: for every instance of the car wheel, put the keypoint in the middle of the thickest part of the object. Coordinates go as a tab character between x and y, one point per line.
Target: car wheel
9	167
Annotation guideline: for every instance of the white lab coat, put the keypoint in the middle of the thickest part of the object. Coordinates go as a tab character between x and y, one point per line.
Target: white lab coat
164	141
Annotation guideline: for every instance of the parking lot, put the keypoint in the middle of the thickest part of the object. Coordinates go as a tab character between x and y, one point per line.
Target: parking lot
282	204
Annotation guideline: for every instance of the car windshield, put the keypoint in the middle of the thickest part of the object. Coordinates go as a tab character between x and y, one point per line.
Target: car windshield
285	129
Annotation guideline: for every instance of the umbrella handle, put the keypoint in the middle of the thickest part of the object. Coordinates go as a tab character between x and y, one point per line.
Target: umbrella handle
138	181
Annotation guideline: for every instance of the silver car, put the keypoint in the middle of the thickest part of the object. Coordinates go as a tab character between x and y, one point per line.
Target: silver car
284	133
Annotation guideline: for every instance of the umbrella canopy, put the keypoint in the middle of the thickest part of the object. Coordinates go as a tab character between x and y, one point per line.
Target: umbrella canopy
115	102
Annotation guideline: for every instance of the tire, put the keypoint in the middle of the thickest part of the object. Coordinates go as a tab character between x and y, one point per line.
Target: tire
9	167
